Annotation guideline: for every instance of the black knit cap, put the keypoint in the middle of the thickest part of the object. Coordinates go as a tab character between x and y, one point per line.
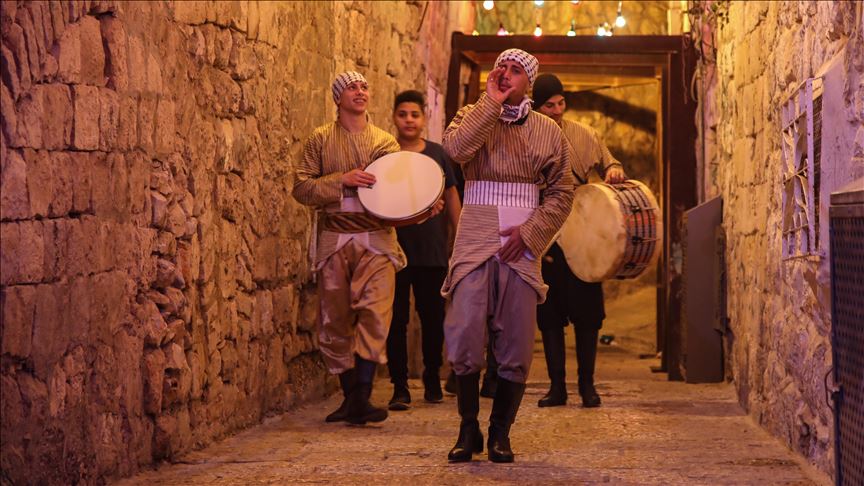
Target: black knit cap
545	87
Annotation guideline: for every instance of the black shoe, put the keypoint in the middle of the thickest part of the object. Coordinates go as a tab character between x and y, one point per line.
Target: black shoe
490	384
470	439
590	398
450	384
401	398
508	397
432	385
556	396
346	381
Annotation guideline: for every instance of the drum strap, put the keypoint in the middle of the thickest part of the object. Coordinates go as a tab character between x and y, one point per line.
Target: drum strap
350	222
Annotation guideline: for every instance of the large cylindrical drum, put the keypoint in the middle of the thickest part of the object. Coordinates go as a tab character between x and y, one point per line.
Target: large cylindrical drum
613	231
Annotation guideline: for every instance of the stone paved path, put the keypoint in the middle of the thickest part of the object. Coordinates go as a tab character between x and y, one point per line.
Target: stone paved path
648	432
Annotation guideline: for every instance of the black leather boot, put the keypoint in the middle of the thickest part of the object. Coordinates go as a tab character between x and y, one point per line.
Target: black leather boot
586	357
470	439
360	411
490	378
504	408
346	381
553	349
450	384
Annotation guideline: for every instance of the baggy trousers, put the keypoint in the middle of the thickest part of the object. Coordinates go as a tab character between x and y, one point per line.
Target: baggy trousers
492	297
355	288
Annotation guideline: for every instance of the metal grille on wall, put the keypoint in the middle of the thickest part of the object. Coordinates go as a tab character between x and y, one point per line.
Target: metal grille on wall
801	117
847	296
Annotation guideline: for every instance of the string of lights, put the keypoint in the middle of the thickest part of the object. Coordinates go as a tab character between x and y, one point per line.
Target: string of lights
603	29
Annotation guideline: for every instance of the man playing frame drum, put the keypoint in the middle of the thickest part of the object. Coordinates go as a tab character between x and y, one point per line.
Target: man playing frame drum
571	299
507	153
357	255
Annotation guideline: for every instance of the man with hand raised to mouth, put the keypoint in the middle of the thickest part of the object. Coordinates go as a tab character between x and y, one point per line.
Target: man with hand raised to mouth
357	257
509	154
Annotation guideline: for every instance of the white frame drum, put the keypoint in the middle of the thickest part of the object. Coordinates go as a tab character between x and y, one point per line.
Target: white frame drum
407	185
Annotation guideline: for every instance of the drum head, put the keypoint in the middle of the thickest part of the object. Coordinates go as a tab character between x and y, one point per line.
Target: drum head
594	236
407	184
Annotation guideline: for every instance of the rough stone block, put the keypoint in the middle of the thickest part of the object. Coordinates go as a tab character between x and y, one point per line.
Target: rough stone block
18	304
154	374
13	36
40	180
165	133
9	72
55	235
116	53
153	80
50	333
263	318
14	199
93	54
9	255
9	119
30	116
56	117
86	131
109	305
137	62
285	307
33	42
61	202
30	252
192	12
109	118
146	121
80	164
127	129
67	50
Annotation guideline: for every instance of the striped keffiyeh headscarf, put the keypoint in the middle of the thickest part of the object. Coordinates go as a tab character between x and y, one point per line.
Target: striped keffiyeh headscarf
342	81
531	65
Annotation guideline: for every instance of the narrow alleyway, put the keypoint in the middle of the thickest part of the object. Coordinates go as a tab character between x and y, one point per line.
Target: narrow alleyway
648	431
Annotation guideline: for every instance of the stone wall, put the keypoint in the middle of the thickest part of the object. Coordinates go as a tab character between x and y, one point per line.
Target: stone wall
778	348
155	284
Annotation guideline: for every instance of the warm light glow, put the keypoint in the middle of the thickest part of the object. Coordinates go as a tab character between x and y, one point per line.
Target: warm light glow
619	21
539	3
572	31
502	30
574	2
475	33
604	30
538	31
488	4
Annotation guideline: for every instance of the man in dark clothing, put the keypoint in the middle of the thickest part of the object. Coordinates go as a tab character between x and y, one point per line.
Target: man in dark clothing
571	299
426	246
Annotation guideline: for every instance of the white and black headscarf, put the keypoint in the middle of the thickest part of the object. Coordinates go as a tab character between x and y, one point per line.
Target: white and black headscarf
342	81
513	113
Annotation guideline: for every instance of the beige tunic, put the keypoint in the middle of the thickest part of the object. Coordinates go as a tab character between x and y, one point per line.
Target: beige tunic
534	152
330	152
589	149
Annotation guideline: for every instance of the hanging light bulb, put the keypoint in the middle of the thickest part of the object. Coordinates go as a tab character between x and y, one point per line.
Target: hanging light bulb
501	29
604	30
538	31
574	2
488	4
572	31
475	33
538	3
619	20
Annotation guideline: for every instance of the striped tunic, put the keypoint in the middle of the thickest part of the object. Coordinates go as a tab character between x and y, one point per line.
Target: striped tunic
590	151
534	152
330	152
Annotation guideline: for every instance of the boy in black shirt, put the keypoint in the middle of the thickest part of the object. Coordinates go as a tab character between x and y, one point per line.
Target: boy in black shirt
426	246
